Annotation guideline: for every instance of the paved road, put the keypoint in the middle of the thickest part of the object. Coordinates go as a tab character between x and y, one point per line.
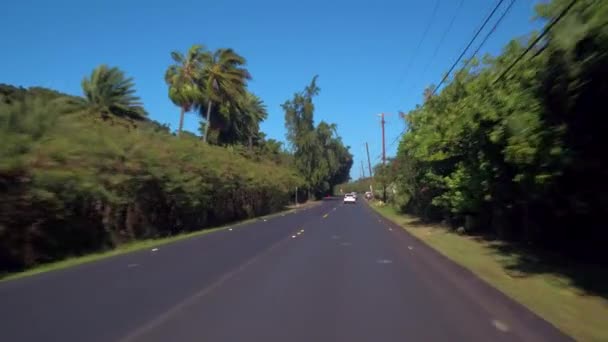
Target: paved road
347	276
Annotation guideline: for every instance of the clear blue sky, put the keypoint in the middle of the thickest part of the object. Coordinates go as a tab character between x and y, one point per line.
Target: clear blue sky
359	49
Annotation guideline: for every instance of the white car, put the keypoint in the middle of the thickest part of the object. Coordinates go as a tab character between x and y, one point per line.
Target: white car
350	198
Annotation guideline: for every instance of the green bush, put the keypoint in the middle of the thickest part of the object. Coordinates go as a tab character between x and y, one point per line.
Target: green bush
521	158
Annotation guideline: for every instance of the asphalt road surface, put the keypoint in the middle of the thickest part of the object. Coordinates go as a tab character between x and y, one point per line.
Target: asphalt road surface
333	272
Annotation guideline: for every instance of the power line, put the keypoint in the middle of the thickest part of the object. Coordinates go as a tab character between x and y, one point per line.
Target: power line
485	39
545	31
441	40
468	45
422	38
397	138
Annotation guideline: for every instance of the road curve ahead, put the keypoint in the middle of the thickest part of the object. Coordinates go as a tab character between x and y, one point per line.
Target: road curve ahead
334	272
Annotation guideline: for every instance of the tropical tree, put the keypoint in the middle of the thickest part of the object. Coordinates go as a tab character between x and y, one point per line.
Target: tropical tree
253	111
108	91
237	121
318	151
515	146
183	79
223	78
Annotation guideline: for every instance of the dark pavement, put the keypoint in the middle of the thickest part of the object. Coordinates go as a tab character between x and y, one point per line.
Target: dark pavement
347	276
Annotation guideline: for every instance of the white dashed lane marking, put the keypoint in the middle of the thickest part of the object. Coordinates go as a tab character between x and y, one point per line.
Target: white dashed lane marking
500	326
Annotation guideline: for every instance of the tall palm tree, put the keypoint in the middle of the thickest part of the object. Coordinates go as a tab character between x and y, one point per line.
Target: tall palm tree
183	79
223	77
107	90
253	111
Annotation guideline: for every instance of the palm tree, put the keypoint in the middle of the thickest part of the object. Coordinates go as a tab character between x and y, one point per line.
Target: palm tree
183	79
253	111
109	91
223	78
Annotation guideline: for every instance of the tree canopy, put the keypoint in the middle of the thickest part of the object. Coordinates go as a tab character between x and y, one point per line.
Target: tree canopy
107	91
319	153
522	157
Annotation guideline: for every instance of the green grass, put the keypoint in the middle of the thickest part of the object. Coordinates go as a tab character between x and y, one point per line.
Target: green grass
554	292
134	246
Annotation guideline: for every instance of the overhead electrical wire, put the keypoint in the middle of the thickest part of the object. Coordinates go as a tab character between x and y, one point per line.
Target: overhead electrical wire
485	39
546	30
543	33
440	44
468	45
416	51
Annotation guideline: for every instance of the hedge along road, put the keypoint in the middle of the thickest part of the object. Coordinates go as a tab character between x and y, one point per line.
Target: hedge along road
333	272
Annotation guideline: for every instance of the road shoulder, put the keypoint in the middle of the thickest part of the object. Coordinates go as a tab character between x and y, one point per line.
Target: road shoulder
550	296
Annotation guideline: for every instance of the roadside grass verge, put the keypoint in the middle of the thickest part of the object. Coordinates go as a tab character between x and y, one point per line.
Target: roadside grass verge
139	245
571	297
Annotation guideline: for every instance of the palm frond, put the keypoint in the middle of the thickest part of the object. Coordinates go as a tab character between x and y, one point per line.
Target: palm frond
108	90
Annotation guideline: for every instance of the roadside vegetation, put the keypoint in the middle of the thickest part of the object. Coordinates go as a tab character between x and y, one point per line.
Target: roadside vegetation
519	157
81	175
511	163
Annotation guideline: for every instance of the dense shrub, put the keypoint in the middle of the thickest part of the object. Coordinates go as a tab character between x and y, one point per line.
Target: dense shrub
73	181
523	157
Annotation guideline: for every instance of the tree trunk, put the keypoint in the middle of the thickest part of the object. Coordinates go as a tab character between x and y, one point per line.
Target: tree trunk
250	142
208	121
181	120
383	192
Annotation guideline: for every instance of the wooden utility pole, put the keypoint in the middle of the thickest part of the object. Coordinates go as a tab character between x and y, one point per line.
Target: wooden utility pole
362	170
382	122
369	163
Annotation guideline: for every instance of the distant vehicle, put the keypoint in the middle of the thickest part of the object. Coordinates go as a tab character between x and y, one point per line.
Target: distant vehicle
368	194
350	198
